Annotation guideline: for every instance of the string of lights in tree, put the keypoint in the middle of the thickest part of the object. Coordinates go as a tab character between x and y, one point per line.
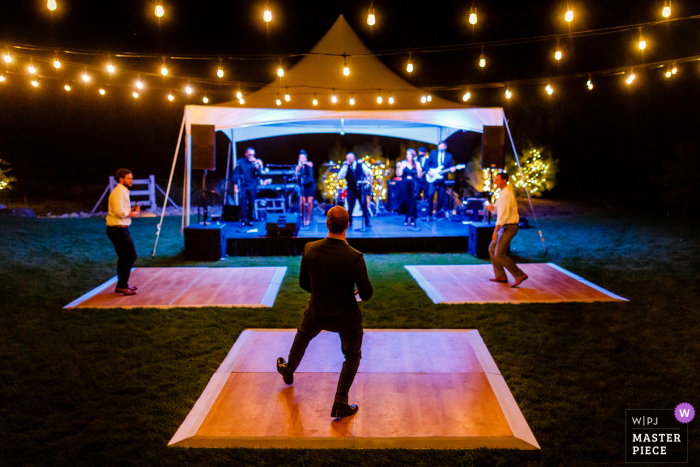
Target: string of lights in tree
332	185
535	173
223	88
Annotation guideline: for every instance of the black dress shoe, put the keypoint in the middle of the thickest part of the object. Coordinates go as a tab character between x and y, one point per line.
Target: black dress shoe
282	369
343	410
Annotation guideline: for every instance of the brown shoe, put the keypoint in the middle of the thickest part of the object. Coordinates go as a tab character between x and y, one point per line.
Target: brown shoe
503	280
132	288
520	280
126	291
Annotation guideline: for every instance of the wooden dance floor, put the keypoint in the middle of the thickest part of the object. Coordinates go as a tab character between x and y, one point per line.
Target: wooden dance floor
546	283
416	389
190	287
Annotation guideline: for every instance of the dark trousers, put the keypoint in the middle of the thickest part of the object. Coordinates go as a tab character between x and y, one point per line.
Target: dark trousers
350	342
440	189
413	195
359	196
248	195
124	246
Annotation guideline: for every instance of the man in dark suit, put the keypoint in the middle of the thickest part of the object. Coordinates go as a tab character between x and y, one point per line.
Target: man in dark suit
439	159
246	176
330	270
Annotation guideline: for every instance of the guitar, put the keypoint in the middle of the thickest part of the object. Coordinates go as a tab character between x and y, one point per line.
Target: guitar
437	172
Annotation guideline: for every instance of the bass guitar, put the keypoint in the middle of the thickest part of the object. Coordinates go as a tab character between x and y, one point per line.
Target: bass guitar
438	172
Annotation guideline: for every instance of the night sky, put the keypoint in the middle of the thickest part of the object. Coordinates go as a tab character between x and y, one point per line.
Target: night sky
609	141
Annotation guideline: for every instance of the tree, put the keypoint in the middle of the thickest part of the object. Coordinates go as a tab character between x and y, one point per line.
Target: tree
6	181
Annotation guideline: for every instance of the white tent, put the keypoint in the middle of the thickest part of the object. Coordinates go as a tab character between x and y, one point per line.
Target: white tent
319	75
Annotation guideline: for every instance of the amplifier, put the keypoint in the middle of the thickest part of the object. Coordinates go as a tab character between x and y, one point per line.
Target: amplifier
205	242
480	234
282	224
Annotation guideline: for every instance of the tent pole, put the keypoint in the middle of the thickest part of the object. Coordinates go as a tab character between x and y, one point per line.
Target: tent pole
188	180
235	161
228	166
170	181
522	176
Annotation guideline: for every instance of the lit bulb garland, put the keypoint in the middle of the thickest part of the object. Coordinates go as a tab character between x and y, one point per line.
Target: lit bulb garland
538	174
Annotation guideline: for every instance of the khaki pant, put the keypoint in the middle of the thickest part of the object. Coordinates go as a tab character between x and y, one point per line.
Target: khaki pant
498	251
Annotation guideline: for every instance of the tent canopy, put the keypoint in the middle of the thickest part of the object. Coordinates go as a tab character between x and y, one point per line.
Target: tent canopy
319	75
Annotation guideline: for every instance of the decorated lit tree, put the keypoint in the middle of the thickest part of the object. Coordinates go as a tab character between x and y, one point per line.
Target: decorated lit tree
539	171
379	172
5	180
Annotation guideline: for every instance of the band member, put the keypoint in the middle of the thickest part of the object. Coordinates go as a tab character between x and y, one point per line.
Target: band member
330	271
439	160
118	222
507	220
359	179
246	177
410	171
423	161
304	172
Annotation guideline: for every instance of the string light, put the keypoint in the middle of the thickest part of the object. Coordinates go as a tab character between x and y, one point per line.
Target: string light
508	94
482	60
160	11
429	98
666	12
2	79
280	72
205	99
409	65
589	84
642	43
239	95
31	69
557	55
631	78
220	72
35	83
569	16
379	99
467	95
102	92
334	98
287	97
171	97
188	90
66	87
346	68
472	16
315	101
164	69
267	15
391	99
110	67
278	101
549	89
669	74
139	84
370	15
352	99
51	5
56	63
674	70
7	58
423	99
241	101
135	94
86	77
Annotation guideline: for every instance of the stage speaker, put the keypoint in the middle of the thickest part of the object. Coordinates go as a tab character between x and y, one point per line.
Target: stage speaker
422	208
393	195
203	147
480	235
205	242
493	147
231	212
282	224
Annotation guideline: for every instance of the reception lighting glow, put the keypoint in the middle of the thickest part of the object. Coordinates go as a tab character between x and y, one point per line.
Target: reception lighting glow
2	79
102	92
423	99
220	72
241	101
409	67
239	95
110	68
56	63
674	70
391	99
315	101
569	16
159	11
472	17
7	58
668	74
379	99
429	98
589	84
630	78
642	43
205	99
135	94
267	15
188	90
557	54
549	89
278	101
51	5
66	87
287	97
346	70
352	100
334	98
31	69
164	70
86	77
280	72
508	94
139	84
171	97
666	12
35	83
467	95
482	61
371	20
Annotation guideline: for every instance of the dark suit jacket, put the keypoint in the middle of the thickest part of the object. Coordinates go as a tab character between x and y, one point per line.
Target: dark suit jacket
330	269
433	163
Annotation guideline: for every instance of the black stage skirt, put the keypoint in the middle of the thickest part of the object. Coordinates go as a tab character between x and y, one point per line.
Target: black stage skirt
308	190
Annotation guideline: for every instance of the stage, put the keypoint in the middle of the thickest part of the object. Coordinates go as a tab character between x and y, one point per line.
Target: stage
387	234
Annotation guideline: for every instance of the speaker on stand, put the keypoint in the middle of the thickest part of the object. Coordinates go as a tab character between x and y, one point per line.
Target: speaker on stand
493	152
203	158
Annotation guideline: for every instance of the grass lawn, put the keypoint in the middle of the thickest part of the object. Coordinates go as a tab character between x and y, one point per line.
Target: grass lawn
111	387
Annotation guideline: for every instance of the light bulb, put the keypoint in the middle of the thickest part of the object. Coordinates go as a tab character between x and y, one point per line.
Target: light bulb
668	74
267	16
135	94
429	98
164	70
467	95
666	12
110	68
7	58
371	19
66	87
171	97
220	72
391	99
278	101
379	99
239	95
287	97
56	64
423	99
35	83
472	17
86	77
569	16
139	84
159	11
589	84
508	94
549	89
280	72
51	5
205	99
334	98
642	44
352	101
482	61
102	92
409	67
631	78
241	101
557	54
315	101
674	70
2	79
188	90
31	69
346	70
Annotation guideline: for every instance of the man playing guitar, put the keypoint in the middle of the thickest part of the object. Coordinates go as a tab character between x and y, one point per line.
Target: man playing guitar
439	162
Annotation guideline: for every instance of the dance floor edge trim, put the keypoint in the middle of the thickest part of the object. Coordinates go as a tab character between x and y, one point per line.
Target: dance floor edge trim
522	438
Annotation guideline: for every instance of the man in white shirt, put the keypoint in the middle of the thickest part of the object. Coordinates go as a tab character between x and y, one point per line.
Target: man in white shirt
118	222
506	227
359	180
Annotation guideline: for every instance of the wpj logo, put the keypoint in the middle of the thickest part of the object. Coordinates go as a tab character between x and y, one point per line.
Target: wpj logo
655	435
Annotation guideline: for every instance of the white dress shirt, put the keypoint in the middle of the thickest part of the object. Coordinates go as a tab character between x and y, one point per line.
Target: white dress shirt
506	208
343	172
119	207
